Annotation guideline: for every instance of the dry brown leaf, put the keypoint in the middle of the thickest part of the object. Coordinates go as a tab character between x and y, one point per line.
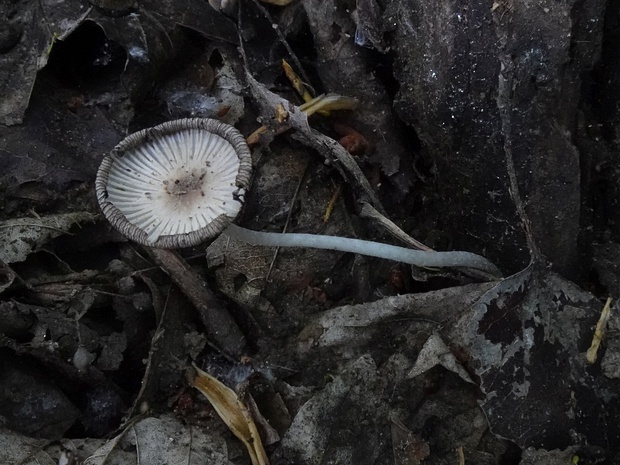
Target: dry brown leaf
232	411
599	332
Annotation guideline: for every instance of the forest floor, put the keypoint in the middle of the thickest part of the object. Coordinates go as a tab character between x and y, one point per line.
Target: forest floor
342	358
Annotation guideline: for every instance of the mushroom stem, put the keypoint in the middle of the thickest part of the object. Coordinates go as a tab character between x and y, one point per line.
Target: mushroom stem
372	249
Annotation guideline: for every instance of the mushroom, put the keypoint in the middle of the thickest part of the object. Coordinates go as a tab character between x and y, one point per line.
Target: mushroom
177	184
183	182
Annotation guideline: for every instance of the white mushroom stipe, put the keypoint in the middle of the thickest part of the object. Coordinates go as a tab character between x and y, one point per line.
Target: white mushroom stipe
372	249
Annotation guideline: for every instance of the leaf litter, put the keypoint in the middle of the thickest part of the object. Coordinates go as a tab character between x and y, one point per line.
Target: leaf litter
341	366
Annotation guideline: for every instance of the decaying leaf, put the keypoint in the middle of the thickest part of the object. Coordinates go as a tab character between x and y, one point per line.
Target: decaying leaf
150	440
108	450
22	236
168	347
345	422
7	276
408	448
360	327
353	397
526	340
162	439
35	26
232	411
17	448
27	39
436	352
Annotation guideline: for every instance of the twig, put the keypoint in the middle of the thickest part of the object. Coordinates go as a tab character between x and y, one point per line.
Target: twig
288	219
369	212
221	327
290	51
347	165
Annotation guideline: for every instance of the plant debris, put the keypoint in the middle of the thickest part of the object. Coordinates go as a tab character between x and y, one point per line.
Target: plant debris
232	410
441	126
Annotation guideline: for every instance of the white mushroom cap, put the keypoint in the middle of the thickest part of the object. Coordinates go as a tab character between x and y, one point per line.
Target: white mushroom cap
176	184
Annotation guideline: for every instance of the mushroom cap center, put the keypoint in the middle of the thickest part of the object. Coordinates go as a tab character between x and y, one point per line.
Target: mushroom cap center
188	183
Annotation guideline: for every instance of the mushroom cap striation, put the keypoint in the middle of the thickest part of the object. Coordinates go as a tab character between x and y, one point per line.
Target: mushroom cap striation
177	184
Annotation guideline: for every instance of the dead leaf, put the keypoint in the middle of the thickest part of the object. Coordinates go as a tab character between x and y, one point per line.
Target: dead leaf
345	422
436	352
17	448
7	276
526	340
408	448
360	327
21	236
232	411
162	439
33	28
